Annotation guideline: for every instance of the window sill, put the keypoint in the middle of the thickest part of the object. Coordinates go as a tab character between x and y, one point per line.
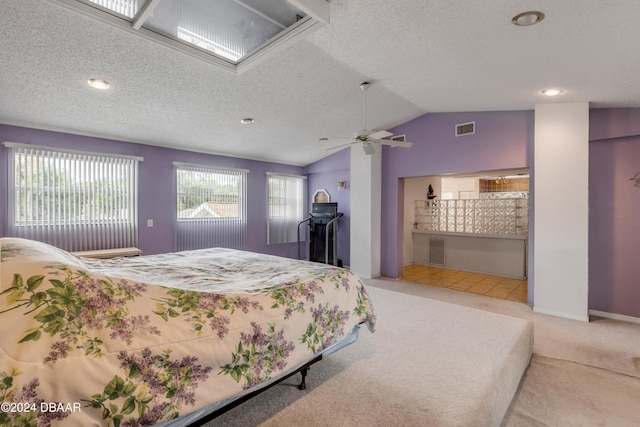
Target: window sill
109	253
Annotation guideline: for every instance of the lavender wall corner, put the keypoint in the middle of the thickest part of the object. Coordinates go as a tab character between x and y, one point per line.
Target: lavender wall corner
325	174
614	211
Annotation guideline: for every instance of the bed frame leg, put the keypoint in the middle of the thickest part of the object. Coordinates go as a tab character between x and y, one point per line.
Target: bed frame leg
303	384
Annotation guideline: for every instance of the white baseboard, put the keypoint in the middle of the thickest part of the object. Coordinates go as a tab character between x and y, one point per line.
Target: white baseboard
615	316
560	314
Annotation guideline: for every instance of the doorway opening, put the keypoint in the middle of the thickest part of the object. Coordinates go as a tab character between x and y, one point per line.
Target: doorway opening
468	232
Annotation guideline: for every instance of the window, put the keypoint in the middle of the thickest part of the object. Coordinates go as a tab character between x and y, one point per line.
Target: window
75	201
211	207
286	197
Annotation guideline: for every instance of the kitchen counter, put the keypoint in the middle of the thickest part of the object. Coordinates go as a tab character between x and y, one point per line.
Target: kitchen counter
497	255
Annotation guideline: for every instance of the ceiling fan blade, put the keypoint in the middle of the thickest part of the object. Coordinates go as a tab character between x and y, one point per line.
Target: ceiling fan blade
380	134
335	147
392	143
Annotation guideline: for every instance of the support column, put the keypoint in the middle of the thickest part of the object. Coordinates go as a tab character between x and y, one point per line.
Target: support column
561	210
365	206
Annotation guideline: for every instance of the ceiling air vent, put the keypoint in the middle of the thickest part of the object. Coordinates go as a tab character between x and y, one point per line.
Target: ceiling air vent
463	129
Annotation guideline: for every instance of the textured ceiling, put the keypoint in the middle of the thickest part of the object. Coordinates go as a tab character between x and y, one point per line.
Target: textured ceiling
421	56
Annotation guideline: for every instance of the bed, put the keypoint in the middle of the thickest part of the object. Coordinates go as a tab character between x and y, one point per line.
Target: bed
161	339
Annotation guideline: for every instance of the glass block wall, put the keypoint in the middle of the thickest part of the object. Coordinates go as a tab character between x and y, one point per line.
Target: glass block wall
476	216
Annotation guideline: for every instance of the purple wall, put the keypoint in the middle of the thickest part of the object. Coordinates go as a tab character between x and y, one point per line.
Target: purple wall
608	123
502	140
614	211
157	185
325	174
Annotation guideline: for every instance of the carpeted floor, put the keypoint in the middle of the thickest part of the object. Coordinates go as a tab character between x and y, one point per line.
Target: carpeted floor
562	393
581	374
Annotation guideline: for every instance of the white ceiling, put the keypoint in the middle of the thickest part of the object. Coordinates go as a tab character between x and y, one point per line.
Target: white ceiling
421	56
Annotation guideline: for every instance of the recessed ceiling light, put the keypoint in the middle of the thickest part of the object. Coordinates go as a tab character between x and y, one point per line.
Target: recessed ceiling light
99	84
525	19
247	121
552	92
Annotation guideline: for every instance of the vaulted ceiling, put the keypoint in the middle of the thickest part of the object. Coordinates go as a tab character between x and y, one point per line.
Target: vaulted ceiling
421	56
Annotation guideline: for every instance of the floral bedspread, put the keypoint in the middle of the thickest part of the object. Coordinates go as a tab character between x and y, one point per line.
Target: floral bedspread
139	341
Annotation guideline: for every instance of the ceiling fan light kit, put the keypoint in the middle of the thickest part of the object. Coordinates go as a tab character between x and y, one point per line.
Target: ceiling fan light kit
370	138
368	148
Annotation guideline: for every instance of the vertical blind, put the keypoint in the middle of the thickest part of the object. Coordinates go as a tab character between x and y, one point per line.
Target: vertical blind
211	207
287	199
75	201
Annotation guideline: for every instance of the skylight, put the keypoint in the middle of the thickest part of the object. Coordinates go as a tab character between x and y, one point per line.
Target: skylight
231	33
127	8
212	46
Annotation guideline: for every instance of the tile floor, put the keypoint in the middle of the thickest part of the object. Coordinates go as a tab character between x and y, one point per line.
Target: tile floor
494	286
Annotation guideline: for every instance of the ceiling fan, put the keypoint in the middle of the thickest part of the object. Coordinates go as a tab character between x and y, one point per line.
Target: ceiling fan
369	138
